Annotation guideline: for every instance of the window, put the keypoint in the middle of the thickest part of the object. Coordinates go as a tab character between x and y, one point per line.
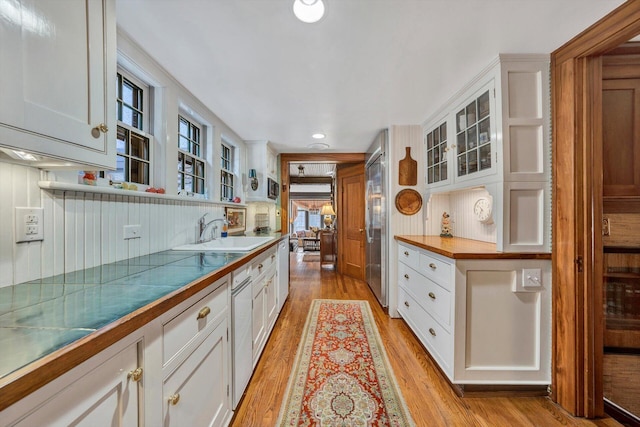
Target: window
226	172
132	145
190	161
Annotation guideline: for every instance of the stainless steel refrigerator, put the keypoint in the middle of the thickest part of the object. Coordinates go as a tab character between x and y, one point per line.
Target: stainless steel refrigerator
376	218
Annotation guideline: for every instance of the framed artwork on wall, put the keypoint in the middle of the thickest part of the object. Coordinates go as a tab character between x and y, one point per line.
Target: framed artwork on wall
237	220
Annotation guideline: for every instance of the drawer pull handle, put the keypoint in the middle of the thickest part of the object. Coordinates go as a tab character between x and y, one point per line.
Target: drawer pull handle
135	375
406	276
406	303
433	266
432	332
174	399
260	266
406	253
203	313
432	295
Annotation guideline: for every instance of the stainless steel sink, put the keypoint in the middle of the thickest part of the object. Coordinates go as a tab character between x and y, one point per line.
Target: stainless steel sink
227	244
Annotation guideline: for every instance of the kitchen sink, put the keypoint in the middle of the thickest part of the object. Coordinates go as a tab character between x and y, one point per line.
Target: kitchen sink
227	244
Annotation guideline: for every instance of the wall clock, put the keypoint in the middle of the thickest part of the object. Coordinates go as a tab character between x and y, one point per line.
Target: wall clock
482	209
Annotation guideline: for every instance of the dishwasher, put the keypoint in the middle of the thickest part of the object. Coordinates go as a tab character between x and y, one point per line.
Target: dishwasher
241	299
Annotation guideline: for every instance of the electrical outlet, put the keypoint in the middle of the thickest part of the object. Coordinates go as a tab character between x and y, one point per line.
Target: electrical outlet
132	232
29	224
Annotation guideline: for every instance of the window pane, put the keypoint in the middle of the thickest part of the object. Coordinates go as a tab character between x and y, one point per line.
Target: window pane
140	147
188	183
180	162
183	127
180	181
199	187
183	143
188	164
139	172
122	140
121	167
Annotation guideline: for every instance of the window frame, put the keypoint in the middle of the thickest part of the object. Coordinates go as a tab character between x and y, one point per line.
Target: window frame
227	174
196	142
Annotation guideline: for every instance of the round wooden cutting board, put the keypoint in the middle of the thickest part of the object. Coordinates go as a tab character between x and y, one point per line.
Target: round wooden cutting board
408	201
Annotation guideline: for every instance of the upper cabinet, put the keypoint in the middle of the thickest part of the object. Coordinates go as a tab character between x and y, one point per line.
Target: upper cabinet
495	129
495	133
58	85
262	159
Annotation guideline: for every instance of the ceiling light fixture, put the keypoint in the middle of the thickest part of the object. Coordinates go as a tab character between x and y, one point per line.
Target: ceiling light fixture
308	11
300	170
318	146
318	136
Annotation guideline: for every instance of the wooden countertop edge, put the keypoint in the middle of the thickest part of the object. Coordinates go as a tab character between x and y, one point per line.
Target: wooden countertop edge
24	381
463	253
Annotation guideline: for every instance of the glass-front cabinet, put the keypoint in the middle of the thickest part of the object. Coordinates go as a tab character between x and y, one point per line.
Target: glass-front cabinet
469	149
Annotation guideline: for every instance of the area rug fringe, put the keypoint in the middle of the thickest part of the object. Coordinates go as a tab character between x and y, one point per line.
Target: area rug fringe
339	388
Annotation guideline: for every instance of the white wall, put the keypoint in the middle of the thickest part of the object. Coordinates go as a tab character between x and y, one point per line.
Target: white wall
83	230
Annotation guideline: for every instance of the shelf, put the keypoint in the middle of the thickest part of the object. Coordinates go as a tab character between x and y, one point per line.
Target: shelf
64	186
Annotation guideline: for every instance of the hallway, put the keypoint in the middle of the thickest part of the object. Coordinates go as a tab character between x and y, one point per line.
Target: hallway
429	397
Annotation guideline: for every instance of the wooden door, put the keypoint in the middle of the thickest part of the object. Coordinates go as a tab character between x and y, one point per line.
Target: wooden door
351	236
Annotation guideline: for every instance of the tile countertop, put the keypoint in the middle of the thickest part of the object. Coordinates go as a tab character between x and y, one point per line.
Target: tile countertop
57	322
459	248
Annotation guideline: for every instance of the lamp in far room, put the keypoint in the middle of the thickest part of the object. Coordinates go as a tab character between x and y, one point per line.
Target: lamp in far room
327	211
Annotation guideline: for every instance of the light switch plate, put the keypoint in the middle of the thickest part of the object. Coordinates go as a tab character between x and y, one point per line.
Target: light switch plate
29	224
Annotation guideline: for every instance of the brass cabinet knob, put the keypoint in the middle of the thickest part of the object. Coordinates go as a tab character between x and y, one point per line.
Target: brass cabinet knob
432	332
260	266
406	253
101	128
406	303
174	399
406	276
135	375
432	295
433	266
203	313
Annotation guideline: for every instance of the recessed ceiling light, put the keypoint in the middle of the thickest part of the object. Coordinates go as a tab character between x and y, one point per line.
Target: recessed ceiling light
318	136
318	146
308	11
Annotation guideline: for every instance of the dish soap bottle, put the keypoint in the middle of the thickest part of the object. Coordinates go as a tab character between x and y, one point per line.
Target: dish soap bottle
225	228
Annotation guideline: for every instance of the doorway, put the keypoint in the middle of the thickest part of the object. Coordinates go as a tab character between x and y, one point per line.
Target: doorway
579	261
287	160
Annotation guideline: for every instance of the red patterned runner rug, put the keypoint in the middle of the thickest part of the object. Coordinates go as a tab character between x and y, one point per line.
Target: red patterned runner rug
341	376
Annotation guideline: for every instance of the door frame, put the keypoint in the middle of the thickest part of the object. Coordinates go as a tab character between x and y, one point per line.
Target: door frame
577	136
286	158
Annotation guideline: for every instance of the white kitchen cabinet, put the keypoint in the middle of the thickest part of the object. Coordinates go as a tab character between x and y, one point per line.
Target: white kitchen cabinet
197	392
495	133
263	159
58	85
283	273
482	320
106	387
264	307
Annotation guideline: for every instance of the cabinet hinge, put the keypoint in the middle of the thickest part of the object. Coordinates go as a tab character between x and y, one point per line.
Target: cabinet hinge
496	157
227	334
579	264
227	389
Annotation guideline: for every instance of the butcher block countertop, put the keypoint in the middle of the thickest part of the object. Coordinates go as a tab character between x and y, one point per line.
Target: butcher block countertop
50	325
459	248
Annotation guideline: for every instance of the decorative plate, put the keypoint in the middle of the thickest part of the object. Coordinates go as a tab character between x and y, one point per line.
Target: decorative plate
408	201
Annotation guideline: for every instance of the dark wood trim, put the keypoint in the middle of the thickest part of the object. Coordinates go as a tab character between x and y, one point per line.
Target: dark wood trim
577	340
310	180
286	158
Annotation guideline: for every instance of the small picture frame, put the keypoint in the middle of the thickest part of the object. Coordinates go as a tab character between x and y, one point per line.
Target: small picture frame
237	219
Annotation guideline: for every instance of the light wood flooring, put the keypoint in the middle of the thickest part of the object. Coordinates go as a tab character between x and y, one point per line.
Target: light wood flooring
429	397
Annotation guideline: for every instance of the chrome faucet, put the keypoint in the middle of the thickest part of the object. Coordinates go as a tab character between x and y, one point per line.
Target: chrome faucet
205	226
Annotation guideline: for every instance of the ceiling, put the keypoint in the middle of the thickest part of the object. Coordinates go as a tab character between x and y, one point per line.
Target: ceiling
366	65
323	170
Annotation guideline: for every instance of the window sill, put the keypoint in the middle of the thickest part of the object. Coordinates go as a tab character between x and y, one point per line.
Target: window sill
65	186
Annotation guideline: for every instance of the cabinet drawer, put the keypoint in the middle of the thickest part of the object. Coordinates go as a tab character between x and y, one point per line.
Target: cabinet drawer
438	341
241	274
262	263
189	324
409	256
437	270
434	299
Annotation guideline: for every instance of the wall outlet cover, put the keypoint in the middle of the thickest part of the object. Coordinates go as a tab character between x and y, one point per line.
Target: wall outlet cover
29	224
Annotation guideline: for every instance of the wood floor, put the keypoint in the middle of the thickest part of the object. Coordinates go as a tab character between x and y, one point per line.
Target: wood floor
429	397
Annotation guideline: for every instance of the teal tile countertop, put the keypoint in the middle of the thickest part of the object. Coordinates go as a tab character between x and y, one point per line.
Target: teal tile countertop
42	316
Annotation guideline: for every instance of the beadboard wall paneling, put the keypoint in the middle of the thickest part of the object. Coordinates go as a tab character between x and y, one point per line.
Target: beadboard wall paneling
459	206
84	230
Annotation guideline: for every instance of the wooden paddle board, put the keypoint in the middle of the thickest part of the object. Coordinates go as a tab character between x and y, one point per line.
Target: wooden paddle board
408	170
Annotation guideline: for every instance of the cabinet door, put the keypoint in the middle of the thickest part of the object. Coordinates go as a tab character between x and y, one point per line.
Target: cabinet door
437	148
58	88
105	393
197	393
474	135
271	300
258	317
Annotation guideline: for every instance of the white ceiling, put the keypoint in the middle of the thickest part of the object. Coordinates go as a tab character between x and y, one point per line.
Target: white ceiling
366	65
